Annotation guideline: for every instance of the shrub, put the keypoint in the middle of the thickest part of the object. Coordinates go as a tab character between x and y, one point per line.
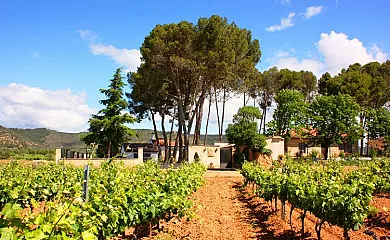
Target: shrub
373	152
266	151
196	157
258	143
239	158
314	154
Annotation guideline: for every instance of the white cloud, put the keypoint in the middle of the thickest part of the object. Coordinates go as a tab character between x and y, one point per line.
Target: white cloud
337	51
312	11
284	2
129	58
23	106
87	35
284	23
292	63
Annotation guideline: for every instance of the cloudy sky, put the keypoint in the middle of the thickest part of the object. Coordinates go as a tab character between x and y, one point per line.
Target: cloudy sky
55	55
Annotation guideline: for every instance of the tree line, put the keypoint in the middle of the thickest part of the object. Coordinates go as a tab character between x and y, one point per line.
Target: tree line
184	64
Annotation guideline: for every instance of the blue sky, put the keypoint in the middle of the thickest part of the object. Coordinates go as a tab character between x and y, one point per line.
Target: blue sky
55	55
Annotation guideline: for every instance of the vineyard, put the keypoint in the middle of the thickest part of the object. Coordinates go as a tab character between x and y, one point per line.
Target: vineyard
330	193
47	201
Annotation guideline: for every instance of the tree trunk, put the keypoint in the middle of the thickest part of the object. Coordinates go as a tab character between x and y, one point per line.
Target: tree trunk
246	100
192	116
303	216
223	114
196	128
216	106
291	212
165	137
364	130
180	138
109	150
346	235
261	122
362	140
276	204
175	147
265	117
186	141
326	151
170	137
156	134
208	118
318	228
198	124
183	131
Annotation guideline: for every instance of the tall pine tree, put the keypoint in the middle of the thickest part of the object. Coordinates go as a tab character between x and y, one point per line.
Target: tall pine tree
107	127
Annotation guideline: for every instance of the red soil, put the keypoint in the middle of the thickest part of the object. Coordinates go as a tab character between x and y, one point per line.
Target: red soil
224	210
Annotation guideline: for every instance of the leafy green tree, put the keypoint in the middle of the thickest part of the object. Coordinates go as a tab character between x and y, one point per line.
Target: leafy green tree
262	88
327	86
289	114
378	123
168	52
304	81
148	97
228	56
368	84
243	131
309	84
333	119
107	127
247	114
192	62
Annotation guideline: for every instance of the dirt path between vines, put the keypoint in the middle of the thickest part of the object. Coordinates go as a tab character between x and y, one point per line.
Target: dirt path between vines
226	211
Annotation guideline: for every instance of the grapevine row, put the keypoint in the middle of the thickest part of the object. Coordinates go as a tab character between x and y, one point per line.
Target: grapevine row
339	198
119	198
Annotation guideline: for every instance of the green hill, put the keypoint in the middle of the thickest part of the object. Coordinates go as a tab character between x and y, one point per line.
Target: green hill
10	139
43	138
46	138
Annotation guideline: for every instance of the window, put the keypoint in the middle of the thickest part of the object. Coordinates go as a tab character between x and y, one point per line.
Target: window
302	147
341	146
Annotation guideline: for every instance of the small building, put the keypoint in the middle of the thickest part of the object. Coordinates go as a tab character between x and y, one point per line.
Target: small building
219	155
131	150
276	145
298	146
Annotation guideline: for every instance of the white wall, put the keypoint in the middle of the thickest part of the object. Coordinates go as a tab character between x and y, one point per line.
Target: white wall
209	155
276	144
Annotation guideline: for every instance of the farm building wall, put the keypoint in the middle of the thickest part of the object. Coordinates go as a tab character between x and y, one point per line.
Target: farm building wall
294	149
98	161
209	155
276	145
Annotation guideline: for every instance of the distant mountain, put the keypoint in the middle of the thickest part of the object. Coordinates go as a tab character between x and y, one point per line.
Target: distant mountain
49	139
10	139
39	138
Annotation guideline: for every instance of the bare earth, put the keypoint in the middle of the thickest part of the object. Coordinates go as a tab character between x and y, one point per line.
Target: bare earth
226	211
